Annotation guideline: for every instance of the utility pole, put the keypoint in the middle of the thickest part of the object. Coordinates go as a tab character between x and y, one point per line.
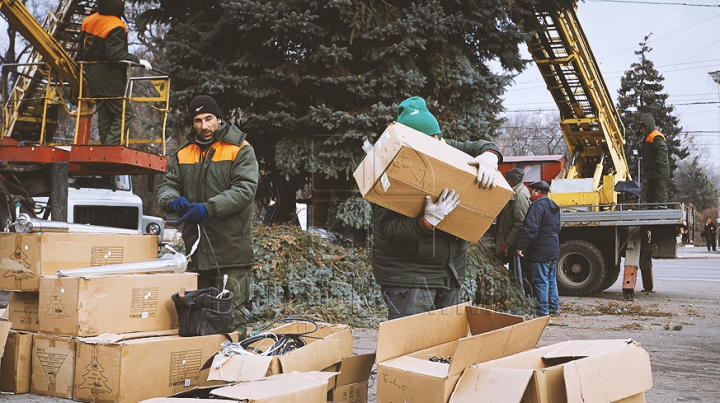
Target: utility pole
716	77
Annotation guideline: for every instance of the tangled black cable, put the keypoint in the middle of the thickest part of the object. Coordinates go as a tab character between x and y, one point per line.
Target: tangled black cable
284	342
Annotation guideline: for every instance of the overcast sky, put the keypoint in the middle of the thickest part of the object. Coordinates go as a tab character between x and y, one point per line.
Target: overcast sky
685	46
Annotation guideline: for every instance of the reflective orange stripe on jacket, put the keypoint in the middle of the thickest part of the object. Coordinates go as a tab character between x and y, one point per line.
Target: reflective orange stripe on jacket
101	25
651	137
223	152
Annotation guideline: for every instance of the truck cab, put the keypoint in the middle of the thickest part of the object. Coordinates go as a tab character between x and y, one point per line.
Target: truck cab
106	200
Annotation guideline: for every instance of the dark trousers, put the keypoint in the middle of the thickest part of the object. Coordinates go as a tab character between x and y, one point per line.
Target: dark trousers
403	301
109	113
711	243
239	283
657	191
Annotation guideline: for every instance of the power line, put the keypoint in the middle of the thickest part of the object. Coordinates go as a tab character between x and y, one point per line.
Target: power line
655	3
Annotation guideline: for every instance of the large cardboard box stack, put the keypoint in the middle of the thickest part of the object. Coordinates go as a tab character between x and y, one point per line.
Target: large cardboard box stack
589	371
420	357
405	165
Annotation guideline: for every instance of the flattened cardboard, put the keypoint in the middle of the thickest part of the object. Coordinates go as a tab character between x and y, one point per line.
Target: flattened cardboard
23	310
130	370
589	371
405	165
5	327
291	387
53	365
88	306
326	346
16	363
469	335
24	258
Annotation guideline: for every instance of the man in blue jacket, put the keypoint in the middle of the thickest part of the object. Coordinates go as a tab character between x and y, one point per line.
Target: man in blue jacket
540	245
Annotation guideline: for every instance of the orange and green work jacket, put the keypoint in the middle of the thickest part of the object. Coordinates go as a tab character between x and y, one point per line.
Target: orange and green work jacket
103	38
655	161
224	178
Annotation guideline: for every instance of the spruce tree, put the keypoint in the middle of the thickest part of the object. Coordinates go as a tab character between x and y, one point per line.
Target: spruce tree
640	93
310	81
694	186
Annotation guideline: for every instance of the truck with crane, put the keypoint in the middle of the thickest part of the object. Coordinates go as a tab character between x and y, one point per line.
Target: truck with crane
597	231
68	177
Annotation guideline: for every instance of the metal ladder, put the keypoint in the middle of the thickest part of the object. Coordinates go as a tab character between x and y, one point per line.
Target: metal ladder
25	107
590	124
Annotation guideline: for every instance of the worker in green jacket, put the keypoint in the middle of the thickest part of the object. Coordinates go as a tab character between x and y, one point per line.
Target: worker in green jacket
103	39
655	162
420	268
211	183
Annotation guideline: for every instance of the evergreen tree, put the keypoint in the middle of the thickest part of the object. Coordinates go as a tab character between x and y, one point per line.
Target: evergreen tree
694	186
310	80
640	93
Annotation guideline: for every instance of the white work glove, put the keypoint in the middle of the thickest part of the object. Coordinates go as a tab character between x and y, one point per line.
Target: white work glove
487	164
435	212
146	64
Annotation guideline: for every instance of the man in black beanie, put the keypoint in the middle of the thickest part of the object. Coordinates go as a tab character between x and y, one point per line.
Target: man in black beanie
211	184
103	39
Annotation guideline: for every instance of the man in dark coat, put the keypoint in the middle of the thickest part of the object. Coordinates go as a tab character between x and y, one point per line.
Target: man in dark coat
655	162
420	268
540	245
710	231
103	39
211	183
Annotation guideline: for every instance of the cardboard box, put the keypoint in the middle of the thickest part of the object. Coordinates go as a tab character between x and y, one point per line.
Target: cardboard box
405	165
185	400
53	365
120	368
16	363
23	310
80	306
326	345
24	258
589	371
282	388
466	334
351	384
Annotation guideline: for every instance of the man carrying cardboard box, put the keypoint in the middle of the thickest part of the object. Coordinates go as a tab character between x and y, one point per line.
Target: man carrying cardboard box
418	267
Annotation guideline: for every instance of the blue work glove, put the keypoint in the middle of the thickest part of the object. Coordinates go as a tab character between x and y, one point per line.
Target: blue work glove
179	205
197	214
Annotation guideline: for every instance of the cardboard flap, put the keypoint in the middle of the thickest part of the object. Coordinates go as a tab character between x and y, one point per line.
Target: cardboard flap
609	376
4	332
483	320
417	332
316	356
273	386
239	367
419	366
355	369
479	348
525	336
587	348
491	385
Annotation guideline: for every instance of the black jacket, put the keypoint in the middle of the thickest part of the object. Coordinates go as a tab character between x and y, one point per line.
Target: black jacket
540	241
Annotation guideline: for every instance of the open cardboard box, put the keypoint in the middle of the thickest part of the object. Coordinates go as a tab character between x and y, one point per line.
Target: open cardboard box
351	383
467	334
405	165
327	345
588	371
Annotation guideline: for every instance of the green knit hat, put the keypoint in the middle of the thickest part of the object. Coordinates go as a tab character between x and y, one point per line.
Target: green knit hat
414	113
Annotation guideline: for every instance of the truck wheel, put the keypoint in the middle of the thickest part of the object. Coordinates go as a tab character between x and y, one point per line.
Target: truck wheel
611	277
580	269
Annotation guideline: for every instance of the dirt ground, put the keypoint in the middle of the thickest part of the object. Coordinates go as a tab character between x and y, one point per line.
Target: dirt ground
678	325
